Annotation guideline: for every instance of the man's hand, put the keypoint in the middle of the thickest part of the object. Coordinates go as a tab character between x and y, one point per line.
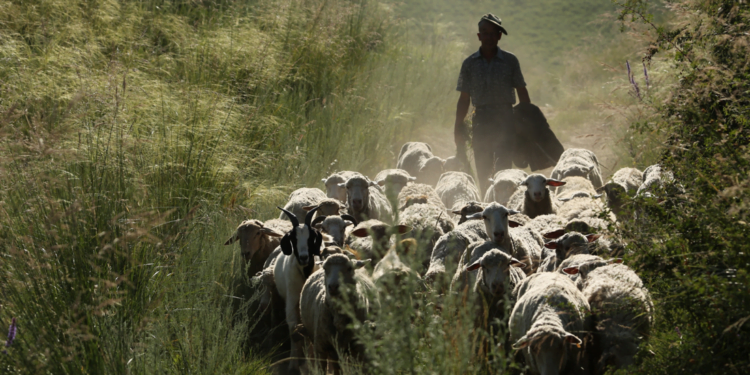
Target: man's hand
523	95
462	109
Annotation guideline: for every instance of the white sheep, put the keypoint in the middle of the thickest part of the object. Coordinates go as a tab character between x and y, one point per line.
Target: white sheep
583	206
578	162
417	159
504	184
544	224
370	239
580	265
365	201
536	199
299	247
327	297
300	198
449	248
335	226
622	185
393	180
419	193
549	323
522	243
332	184
622	312
258	240
456	189
427	223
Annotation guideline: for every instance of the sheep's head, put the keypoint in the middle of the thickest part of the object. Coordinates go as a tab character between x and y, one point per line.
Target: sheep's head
431	171
252	236
468	209
496	223
548	347
334	226
414	199
328	207
334	188
536	186
503	189
339	273
616	195
303	241
579	266
380	232
569	244
357	193
395	181
494	271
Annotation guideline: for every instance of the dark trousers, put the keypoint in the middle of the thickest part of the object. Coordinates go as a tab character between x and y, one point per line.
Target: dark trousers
493	140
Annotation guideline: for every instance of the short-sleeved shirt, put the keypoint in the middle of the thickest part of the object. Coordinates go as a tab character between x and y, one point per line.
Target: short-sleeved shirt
491	82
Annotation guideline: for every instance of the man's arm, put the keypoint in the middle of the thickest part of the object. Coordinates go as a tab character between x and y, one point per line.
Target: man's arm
523	95
462	109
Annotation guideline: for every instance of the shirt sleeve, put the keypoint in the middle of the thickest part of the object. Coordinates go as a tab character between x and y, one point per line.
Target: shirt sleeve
464	78
518	76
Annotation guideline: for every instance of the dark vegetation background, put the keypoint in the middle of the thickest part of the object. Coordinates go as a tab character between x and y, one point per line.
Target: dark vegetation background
137	134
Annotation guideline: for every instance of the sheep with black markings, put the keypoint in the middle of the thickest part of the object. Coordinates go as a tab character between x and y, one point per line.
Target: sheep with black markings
332	184
366	201
258	240
301	198
393	180
299	247
456	189
522	243
504	184
327	297
622	312
549	323
536	199
578	162
417	159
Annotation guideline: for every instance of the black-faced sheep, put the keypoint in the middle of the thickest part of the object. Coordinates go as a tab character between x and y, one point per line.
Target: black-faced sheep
535	198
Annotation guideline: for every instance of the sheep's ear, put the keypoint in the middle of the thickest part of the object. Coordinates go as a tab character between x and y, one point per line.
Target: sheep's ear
615	261
373	183
553	182
491	180
573	339
360	263
270	232
551	245
308	208
361	232
380	182
592	237
564	199
319	263
555	234
517	263
474	266
286	244
513	212
596	196
602	189
521	343
235	237
475	216
402	229
342	185
412	178
323	180
571	270
456	212
513	224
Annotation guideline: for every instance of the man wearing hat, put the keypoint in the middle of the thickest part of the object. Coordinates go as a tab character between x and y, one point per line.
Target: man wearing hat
488	78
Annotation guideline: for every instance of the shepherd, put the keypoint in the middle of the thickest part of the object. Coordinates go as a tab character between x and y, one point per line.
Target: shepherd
489	79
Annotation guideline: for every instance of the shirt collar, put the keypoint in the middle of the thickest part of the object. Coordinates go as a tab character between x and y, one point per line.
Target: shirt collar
478	54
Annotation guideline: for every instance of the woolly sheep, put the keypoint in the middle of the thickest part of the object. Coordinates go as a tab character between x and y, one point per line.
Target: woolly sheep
365	201
522	243
419	193
456	189
334	226
449	248
655	177
579	207
622	312
393	180
371	238
623	184
298	246
549	323
341	284
328	207
504	184
391	273
301	198
333	190
575	185
417	159
578	162
565	246
544	224
258	240
428	223
537	198
576	267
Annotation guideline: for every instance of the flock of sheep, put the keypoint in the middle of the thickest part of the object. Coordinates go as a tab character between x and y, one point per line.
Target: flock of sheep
540	243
